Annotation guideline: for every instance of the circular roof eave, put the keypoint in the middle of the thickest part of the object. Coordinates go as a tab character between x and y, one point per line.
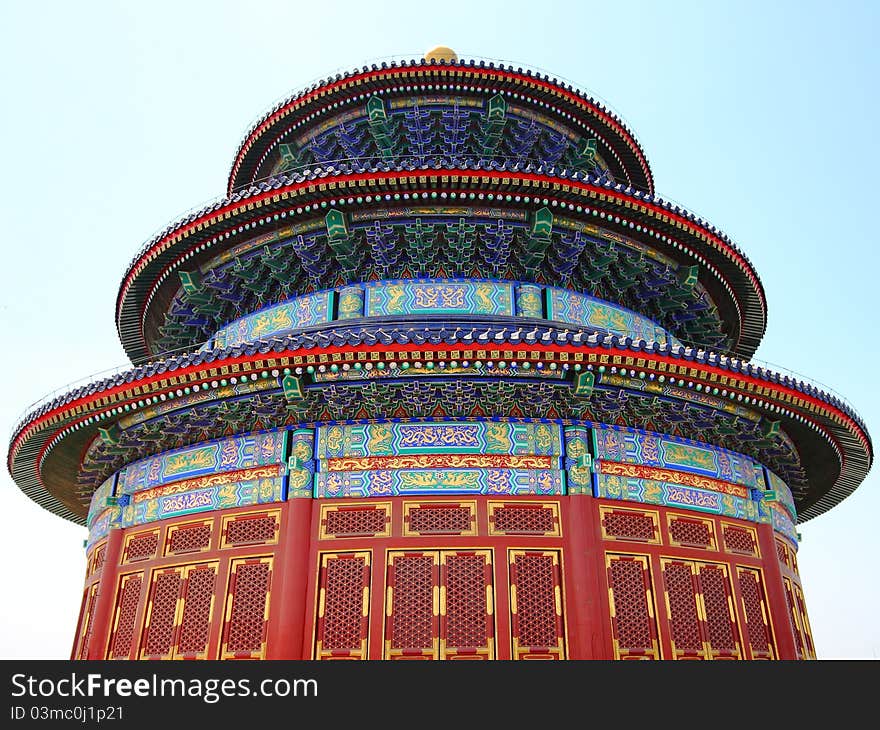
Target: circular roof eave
179	242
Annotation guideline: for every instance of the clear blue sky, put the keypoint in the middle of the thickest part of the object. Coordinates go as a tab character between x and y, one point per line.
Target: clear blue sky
117	117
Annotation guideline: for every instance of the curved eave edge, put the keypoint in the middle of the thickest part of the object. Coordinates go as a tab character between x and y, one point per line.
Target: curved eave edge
27	445
157	252
527	76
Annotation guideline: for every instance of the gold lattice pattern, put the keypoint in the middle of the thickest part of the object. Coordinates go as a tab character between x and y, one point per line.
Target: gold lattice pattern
739	540
163	605
343	522
719	624
535	600
87	630
196	621
466	601
142	547
524	520
690	532
439	520
344	598
782	553
126	613
190	539
683	617
631	610
247	619
753	601
250	530
628	526
412	612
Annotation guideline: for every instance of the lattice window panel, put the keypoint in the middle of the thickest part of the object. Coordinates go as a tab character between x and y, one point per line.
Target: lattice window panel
355	521
719	616
190	538
537	627
632	525
467	629
343	606
457	518
159	625
681	606
90	597
793	618
524	519
95	560
247	609
198	608
741	540
782	553
125	616
691	532
801	610
633	619
759	637
141	547
412	623
699	605
259	529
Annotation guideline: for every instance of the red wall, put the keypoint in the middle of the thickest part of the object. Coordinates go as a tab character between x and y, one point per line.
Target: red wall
458	578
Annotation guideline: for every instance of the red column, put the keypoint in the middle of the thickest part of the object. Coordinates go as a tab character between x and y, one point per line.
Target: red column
779	612
586	603
288	609
101	623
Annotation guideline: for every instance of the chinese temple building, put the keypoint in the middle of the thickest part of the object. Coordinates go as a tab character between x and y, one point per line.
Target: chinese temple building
441	377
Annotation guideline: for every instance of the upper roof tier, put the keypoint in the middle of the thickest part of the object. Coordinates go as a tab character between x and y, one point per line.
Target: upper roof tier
563	225
441	106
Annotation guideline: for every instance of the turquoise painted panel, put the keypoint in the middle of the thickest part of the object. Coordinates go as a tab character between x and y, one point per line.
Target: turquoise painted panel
633	447
304	311
784	496
783	524
103	523
571	307
224	496
650	491
301	464
458	437
402	482
577	439
99	499
438	296
211	457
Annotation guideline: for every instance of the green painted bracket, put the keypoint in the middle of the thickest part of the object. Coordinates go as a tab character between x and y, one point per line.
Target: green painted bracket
769	495
293	388
584	461
336	226
587	150
770	429
542	223
376	110
497	109
191	280
688	275
583	384
110	435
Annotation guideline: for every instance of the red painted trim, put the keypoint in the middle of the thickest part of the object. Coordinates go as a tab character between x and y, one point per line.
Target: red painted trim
102	623
777	604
